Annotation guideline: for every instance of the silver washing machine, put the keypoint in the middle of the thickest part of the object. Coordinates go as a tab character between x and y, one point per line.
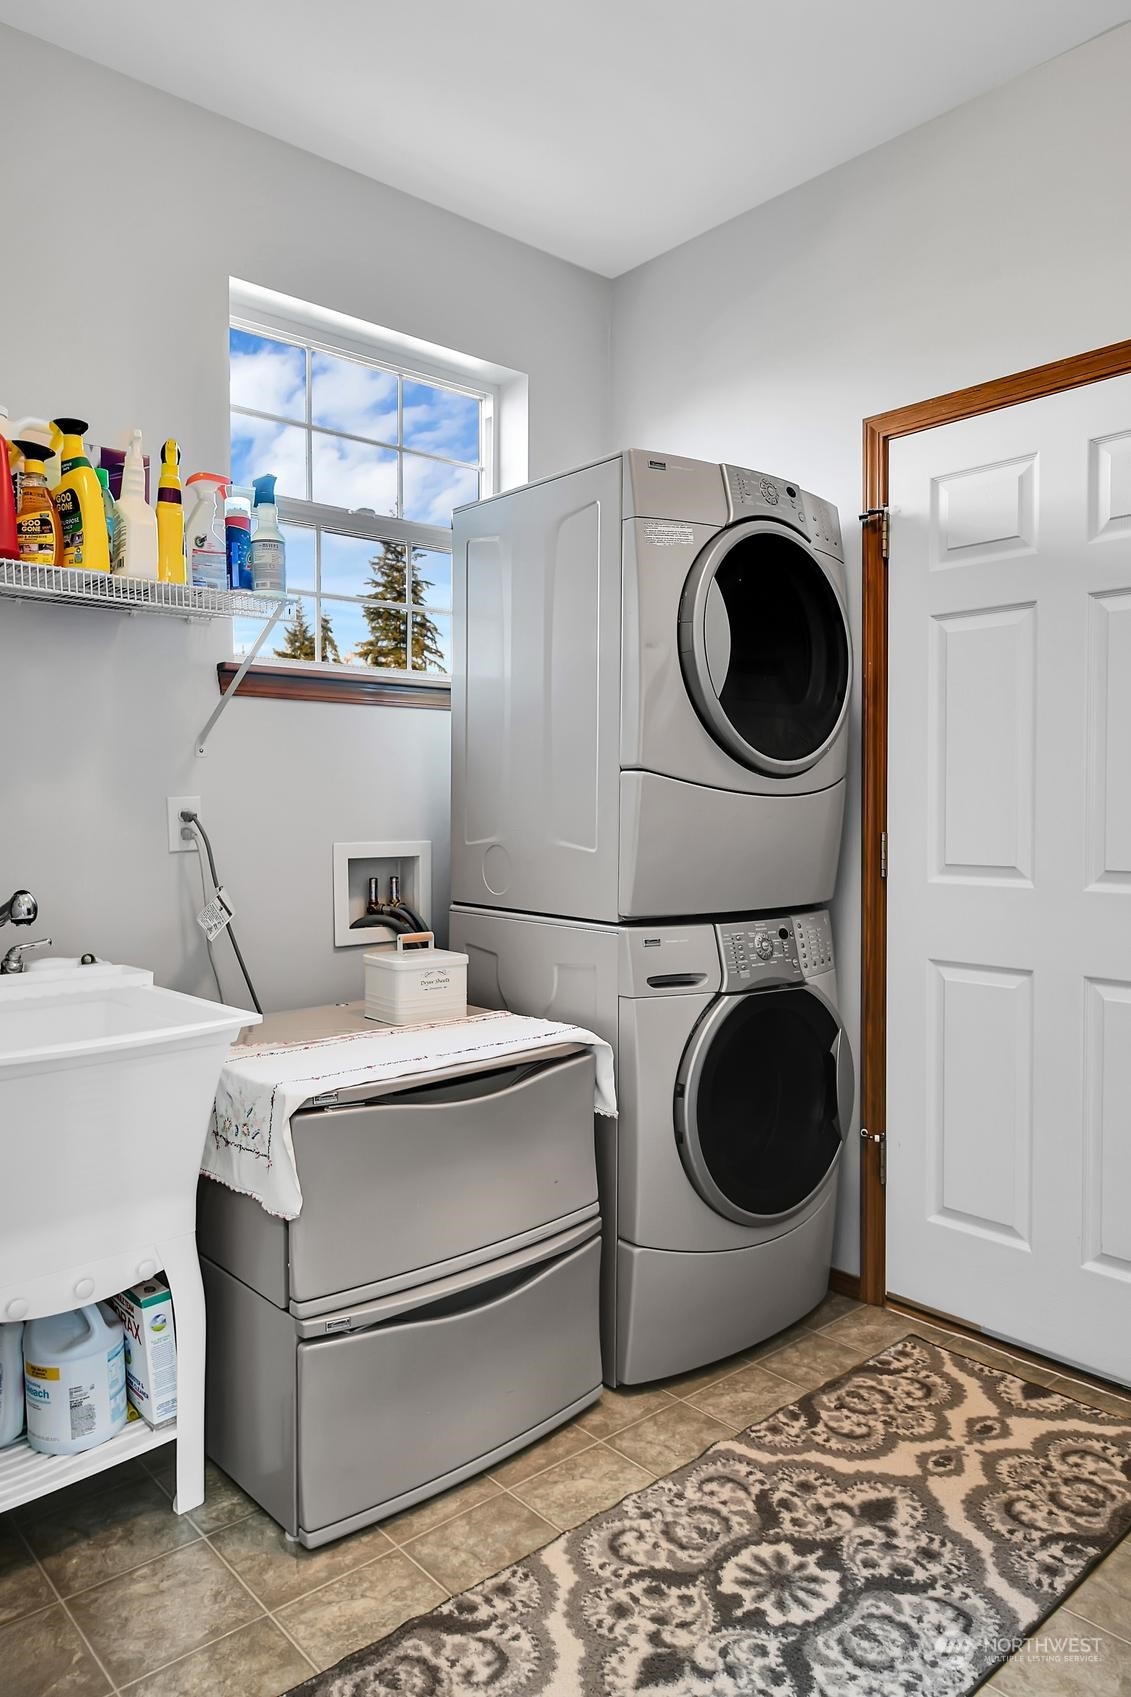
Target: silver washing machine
650	691
735	1085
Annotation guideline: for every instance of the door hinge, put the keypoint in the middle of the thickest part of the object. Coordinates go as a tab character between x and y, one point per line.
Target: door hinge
880	1139
884	516
883	854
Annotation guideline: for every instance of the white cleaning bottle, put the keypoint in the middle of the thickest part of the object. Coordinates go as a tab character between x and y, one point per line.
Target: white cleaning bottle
268	549
135	522
74	1379
11	1382
204	530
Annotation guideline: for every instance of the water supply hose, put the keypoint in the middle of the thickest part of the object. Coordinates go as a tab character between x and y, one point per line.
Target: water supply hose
406	912
193	820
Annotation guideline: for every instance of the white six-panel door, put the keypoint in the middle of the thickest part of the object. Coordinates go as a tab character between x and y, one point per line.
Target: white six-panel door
1009	874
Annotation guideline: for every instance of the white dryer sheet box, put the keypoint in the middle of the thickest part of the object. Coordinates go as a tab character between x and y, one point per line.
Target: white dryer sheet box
405	987
146	1311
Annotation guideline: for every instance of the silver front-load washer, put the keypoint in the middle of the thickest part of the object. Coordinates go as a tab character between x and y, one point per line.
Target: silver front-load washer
651	678
735	1089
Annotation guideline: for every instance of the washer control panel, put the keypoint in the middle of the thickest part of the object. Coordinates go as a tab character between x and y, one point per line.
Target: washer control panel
778	950
756	494
814	933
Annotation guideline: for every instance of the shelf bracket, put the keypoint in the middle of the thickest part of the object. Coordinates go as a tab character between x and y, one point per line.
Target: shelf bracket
277	611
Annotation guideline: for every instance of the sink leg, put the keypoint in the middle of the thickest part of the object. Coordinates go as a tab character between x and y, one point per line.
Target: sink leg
182	1270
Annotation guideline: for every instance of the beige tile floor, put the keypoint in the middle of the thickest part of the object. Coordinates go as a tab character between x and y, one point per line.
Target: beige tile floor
103	1590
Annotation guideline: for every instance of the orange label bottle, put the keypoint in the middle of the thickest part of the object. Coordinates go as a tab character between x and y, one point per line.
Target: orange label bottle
39	535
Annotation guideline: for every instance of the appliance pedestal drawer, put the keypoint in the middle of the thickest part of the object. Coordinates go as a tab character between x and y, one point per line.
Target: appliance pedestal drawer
416	1182
398	1399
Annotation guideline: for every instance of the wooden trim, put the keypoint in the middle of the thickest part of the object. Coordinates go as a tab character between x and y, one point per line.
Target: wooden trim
879	432
845	1284
312	683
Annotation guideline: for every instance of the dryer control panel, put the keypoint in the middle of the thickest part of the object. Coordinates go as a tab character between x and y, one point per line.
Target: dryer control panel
756	494
779	950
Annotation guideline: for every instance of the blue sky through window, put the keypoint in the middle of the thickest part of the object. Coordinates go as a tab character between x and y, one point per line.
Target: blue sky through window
323	460
344	432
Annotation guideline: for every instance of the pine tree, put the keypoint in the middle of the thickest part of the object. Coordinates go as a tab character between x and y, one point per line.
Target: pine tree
329	642
386	643
298	638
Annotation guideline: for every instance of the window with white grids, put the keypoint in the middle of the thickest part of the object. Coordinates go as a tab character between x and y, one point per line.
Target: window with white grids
371	457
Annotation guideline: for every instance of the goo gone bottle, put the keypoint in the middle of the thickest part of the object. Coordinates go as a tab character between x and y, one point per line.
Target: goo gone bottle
74	1379
39	535
79	503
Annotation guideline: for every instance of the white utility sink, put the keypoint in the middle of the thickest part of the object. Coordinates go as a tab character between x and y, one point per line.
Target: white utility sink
74	1013
106	1090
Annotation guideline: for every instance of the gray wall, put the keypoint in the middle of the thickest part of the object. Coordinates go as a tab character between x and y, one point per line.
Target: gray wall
138	207
995	238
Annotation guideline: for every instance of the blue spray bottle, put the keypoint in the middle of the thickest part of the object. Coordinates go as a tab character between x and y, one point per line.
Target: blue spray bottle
268	549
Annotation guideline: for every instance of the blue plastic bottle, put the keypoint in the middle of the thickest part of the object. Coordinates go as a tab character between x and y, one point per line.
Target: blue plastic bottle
237	537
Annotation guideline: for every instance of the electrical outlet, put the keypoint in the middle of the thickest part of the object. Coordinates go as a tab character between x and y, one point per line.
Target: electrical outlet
175	804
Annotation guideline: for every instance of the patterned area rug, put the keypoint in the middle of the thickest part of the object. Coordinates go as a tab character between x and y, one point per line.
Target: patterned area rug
895	1533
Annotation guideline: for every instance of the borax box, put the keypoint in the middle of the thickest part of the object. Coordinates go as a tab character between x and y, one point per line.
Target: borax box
146	1311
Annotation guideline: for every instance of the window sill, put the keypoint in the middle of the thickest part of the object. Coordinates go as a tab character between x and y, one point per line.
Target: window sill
313	683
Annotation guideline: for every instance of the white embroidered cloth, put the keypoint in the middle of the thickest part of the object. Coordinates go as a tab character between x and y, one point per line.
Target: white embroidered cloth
249	1144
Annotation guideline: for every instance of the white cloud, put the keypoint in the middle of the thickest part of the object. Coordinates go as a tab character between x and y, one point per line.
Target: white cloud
353	397
259	445
351	474
270	379
432	489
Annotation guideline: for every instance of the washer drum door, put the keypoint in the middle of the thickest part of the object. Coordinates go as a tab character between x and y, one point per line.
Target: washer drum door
763	1099
765	649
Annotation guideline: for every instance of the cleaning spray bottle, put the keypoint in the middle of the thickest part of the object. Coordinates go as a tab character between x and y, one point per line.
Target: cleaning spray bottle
204	530
237	537
9	544
103	477
268	549
39	535
135	522
79	502
170	517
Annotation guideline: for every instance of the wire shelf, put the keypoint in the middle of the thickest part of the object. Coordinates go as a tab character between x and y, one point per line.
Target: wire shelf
131	594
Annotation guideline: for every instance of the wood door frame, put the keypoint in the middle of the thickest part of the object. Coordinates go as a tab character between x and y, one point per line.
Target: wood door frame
879	432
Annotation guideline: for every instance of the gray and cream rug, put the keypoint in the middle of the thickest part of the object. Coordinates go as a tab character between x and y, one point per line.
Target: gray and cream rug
895	1533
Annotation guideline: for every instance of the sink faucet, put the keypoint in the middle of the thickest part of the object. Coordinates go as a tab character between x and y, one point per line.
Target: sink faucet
20	908
14	960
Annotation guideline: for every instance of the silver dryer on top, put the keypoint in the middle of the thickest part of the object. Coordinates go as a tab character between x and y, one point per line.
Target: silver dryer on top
650	694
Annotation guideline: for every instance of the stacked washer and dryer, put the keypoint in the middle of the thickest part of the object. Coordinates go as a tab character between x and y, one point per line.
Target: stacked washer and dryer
650	693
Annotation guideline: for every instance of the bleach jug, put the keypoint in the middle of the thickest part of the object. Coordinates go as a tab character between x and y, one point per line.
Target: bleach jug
74	1379
11	1382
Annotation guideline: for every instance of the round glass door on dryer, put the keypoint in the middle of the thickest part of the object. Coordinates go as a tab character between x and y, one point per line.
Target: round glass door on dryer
765	648
765	1087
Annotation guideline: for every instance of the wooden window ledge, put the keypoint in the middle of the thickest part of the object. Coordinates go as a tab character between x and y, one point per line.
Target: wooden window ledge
315	683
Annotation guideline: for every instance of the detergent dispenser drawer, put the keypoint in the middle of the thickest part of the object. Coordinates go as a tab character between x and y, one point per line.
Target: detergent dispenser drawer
384	1414
407	1186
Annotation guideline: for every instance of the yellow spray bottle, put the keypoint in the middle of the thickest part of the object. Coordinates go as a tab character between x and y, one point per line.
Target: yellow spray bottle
170	518
78	499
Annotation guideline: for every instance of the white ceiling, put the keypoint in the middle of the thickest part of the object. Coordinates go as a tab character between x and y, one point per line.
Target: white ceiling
604	131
